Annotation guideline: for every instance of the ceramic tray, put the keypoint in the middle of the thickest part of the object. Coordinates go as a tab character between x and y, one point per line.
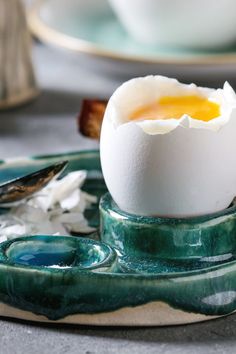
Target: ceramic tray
146	271
90	30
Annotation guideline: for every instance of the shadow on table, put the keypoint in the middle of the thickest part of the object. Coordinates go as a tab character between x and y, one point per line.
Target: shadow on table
223	329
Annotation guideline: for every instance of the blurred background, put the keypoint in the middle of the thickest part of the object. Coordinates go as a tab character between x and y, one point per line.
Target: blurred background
56	53
86	49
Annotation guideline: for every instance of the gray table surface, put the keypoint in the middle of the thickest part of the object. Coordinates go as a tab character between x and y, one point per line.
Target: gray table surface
48	125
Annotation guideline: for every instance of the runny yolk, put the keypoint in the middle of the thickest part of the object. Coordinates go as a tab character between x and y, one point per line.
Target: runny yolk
175	107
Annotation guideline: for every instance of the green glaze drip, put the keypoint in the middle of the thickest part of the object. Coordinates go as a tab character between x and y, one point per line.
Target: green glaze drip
58	292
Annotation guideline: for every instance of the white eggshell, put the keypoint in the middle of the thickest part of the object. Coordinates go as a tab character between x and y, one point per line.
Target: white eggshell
186	170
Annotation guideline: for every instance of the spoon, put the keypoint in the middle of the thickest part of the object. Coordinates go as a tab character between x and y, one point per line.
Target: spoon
23	187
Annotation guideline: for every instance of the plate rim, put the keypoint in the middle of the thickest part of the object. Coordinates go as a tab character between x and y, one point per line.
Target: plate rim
56	38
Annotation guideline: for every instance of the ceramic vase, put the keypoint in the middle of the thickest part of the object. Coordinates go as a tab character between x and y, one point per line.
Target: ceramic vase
17	80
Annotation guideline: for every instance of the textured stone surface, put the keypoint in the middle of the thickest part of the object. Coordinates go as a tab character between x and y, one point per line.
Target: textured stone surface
214	337
48	125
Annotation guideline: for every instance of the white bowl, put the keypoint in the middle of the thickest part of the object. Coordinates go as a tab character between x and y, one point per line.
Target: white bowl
188	23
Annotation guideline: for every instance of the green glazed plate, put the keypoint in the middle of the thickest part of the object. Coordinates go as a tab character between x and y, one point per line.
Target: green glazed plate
82	280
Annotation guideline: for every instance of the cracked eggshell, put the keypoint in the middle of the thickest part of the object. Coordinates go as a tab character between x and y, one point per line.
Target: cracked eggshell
179	168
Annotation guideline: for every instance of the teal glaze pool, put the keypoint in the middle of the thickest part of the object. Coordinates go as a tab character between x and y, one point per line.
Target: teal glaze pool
187	264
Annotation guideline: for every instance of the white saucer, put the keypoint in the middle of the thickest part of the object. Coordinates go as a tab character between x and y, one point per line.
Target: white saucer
90	29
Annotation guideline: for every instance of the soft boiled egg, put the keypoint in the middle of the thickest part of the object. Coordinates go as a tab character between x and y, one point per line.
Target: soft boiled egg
169	149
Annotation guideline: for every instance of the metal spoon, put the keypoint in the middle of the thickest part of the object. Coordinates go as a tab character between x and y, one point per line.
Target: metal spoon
22	187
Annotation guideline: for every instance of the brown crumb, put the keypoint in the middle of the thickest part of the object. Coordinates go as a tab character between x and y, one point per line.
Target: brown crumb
90	117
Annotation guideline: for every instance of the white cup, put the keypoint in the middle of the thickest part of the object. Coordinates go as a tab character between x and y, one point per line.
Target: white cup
186	23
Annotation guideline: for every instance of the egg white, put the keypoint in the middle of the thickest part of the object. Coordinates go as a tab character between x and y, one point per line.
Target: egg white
138	92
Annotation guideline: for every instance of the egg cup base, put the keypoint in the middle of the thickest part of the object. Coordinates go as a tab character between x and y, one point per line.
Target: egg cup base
168	243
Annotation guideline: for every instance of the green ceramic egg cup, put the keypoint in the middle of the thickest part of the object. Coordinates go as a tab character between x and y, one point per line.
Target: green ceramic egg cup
167	245
134	271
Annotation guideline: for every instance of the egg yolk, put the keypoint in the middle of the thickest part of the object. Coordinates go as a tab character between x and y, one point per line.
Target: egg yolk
175	107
